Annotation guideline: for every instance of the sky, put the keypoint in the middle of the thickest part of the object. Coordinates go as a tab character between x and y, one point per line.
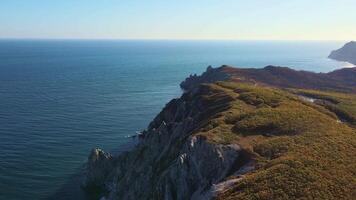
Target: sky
179	19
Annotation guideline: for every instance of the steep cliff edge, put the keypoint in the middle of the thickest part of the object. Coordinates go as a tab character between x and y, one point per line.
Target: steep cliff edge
238	139
171	161
347	53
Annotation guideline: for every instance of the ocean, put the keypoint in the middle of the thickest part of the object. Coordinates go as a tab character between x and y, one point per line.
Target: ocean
61	98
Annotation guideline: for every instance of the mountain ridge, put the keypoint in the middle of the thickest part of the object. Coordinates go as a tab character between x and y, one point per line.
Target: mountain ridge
342	80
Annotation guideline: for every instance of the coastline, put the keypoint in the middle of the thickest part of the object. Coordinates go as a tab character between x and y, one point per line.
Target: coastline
99	83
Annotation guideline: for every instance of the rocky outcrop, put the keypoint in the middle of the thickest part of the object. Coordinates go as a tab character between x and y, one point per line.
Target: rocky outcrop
98	167
170	161
347	53
211	75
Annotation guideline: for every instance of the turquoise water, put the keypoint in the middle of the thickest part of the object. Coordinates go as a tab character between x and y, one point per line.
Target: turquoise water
59	99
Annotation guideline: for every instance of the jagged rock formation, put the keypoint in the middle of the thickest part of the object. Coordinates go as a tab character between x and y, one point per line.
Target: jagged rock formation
240	139
347	53
170	162
211	75
98	167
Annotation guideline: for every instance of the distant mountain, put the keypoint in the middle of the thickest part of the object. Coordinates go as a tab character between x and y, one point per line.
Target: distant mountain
347	53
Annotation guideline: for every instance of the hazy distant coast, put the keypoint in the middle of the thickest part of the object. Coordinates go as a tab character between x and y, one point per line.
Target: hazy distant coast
346	54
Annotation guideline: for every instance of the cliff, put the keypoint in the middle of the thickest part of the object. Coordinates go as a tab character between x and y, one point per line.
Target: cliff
237	139
347	53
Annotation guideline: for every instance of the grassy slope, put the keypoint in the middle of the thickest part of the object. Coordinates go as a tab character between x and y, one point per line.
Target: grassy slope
301	149
344	105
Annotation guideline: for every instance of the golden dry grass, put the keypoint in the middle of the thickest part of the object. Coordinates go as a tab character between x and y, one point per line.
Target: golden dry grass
301	149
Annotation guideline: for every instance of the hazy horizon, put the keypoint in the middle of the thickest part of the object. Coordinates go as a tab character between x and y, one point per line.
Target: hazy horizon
171	39
304	20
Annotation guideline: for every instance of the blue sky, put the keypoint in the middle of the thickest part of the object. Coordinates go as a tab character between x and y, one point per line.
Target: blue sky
184	19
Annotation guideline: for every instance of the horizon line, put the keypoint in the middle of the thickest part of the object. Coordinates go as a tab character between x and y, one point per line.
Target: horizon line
169	39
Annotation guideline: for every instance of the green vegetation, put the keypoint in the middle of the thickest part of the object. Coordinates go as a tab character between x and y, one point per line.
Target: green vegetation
344	105
302	150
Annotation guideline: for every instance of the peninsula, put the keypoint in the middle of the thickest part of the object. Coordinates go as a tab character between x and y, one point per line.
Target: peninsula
347	53
271	133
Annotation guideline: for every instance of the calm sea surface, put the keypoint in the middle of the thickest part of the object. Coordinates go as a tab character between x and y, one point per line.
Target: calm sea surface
59	99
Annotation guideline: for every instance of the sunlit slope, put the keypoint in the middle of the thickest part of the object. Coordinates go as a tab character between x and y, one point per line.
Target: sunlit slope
302	142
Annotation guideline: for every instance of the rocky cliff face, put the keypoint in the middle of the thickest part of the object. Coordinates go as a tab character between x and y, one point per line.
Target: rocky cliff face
170	161
347	53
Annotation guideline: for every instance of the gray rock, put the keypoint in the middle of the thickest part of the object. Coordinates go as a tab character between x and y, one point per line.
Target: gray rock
97	168
170	162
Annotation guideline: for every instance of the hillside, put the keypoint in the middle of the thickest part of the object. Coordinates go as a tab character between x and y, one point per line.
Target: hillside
347	53
251	136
